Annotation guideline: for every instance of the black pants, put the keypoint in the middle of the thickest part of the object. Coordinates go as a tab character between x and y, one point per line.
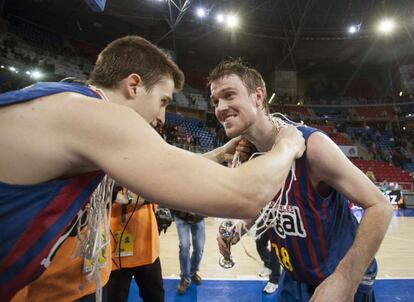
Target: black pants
91	297
147	277
268	257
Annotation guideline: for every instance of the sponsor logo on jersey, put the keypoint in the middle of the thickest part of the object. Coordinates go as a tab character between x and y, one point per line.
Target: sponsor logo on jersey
288	222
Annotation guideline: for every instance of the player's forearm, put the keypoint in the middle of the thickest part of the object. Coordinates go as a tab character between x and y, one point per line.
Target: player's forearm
264	176
216	155
370	234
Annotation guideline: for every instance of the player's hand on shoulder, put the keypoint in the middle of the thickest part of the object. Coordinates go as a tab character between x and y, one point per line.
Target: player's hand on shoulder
241	145
293	138
245	148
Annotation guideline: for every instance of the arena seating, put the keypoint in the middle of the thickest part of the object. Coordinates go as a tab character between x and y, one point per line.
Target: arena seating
331	113
196	128
375	112
337	137
384	171
301	110
409	167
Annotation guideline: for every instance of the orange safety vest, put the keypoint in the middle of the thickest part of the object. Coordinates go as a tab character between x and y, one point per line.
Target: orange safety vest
142	226
64	279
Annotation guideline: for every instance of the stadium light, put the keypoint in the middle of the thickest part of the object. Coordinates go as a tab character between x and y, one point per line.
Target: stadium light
36	74
28	72
232	21
13	69
2	66
386	26
201	12
352	29
401	93
219	18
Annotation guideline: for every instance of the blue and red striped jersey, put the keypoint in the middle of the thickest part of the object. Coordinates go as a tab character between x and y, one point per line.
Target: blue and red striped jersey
33	217
313	233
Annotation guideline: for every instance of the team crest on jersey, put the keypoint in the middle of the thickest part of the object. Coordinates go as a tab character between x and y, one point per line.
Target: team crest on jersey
288	222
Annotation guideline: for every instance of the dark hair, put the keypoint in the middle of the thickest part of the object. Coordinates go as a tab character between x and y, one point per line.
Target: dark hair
134	54
250	77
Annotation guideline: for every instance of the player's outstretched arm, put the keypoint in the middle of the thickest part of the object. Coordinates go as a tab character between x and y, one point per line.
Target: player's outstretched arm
329	165
121	143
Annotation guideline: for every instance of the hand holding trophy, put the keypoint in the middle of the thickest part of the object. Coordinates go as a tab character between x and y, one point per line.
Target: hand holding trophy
227	232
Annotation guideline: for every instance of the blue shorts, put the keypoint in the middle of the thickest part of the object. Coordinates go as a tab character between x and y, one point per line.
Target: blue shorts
290	290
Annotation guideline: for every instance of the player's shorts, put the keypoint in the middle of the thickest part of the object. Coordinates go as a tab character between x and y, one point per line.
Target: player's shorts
290	290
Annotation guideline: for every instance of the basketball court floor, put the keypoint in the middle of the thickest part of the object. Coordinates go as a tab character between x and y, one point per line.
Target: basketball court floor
242	283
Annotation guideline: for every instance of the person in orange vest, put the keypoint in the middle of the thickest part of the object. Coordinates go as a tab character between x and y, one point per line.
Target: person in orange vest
135	249
65	280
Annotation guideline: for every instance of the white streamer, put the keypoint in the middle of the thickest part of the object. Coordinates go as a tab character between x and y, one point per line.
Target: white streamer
95	240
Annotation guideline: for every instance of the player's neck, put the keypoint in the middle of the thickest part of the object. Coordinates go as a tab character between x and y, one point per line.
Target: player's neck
262	134
109	95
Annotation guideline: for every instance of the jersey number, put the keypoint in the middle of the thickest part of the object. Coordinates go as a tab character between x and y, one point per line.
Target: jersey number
283	257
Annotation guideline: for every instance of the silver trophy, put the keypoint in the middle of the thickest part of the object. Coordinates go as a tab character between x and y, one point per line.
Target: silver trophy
227	232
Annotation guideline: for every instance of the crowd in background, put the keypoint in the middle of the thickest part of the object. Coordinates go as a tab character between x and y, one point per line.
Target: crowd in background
50	47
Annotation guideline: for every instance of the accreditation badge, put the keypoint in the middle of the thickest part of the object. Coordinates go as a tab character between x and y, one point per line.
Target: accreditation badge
124	245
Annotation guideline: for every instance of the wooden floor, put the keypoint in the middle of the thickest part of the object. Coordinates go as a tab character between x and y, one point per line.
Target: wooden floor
395	257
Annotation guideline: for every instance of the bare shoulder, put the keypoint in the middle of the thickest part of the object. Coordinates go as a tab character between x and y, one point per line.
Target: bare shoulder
91	129
85	119
324	158
67	117
68	105
46	109
44	136
319	146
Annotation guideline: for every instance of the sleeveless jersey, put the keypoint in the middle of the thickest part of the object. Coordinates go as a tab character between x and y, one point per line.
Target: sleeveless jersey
33	217
313	233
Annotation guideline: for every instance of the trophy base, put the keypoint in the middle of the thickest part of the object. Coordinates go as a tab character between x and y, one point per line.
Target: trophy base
226	262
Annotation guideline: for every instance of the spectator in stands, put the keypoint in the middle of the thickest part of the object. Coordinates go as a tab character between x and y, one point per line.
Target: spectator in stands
189	223
374	150
384	155
197	142
189	141
397	157
377	136
179	140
